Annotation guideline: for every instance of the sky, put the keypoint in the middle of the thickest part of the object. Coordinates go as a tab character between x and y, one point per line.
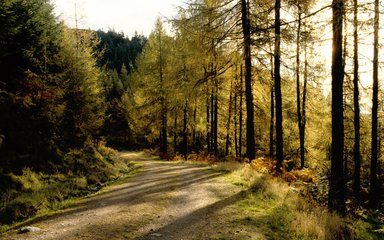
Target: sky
125	16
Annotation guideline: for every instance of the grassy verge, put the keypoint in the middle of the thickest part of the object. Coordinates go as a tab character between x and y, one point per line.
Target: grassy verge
36	194
279	211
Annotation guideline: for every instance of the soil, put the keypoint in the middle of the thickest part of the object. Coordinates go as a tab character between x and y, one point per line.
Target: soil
165	200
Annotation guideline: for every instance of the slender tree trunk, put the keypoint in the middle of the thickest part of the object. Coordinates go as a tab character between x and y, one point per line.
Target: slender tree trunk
304	110
272	120
163	144
175	132
345	55
194	127
212	121
251	152
336	184
374	189
208	137
185	132
356	149
298	92
279	103
235	127
216	120
227	140
241	114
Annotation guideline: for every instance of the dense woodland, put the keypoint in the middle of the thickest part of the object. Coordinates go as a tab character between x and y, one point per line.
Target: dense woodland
230	79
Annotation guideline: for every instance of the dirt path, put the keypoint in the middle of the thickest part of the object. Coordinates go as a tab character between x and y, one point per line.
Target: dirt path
164	201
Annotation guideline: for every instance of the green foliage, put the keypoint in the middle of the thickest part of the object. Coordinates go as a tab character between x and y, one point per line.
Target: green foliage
118	51
117	55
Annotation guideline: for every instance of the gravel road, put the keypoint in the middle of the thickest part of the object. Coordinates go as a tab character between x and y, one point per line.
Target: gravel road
164	201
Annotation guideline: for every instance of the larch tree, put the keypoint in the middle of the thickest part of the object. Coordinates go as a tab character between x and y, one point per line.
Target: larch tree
278	97
356	148
337	190
152	85
250	152
374	188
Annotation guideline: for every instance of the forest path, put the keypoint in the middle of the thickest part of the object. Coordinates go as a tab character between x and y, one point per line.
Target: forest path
165	201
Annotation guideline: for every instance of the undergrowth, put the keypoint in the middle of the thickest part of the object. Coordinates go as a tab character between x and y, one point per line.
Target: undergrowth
31	193
280	207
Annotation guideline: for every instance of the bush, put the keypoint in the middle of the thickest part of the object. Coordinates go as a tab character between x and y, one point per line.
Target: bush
19	209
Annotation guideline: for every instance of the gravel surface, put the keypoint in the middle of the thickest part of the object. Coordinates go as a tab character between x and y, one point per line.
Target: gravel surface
165	201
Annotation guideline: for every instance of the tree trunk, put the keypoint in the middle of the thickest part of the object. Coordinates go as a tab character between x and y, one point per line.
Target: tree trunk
212	121
250	153
272	120
279	103
194	128
208	137
374	189
235	127
241	114
175	132
336	182
227	140
356	148
304	110
185	133
216	120
298	92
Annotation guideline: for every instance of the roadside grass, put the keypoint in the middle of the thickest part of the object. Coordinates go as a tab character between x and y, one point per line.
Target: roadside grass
279	210
36	194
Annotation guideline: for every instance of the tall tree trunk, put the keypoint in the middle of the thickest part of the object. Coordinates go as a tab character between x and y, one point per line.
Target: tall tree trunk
279	103
336	182
194	128
235	127
356	148
374	189
251	152
241	114
304	110
216	120
272	124
208	137
298	92
175	132
227	140
272	120
345	55
163	144
185	133
212	121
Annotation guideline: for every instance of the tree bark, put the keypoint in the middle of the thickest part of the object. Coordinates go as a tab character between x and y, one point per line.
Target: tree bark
251	152
227	140
216	120
241	114
208	137
185	132
304	107
175	132
272	120
298	92
374	189
163	140
336	182
279	107
356	148
212	121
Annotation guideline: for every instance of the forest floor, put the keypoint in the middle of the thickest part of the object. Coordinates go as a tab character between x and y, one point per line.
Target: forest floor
166	200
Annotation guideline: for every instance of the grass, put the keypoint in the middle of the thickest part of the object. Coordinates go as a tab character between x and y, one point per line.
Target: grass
278	211
38	194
